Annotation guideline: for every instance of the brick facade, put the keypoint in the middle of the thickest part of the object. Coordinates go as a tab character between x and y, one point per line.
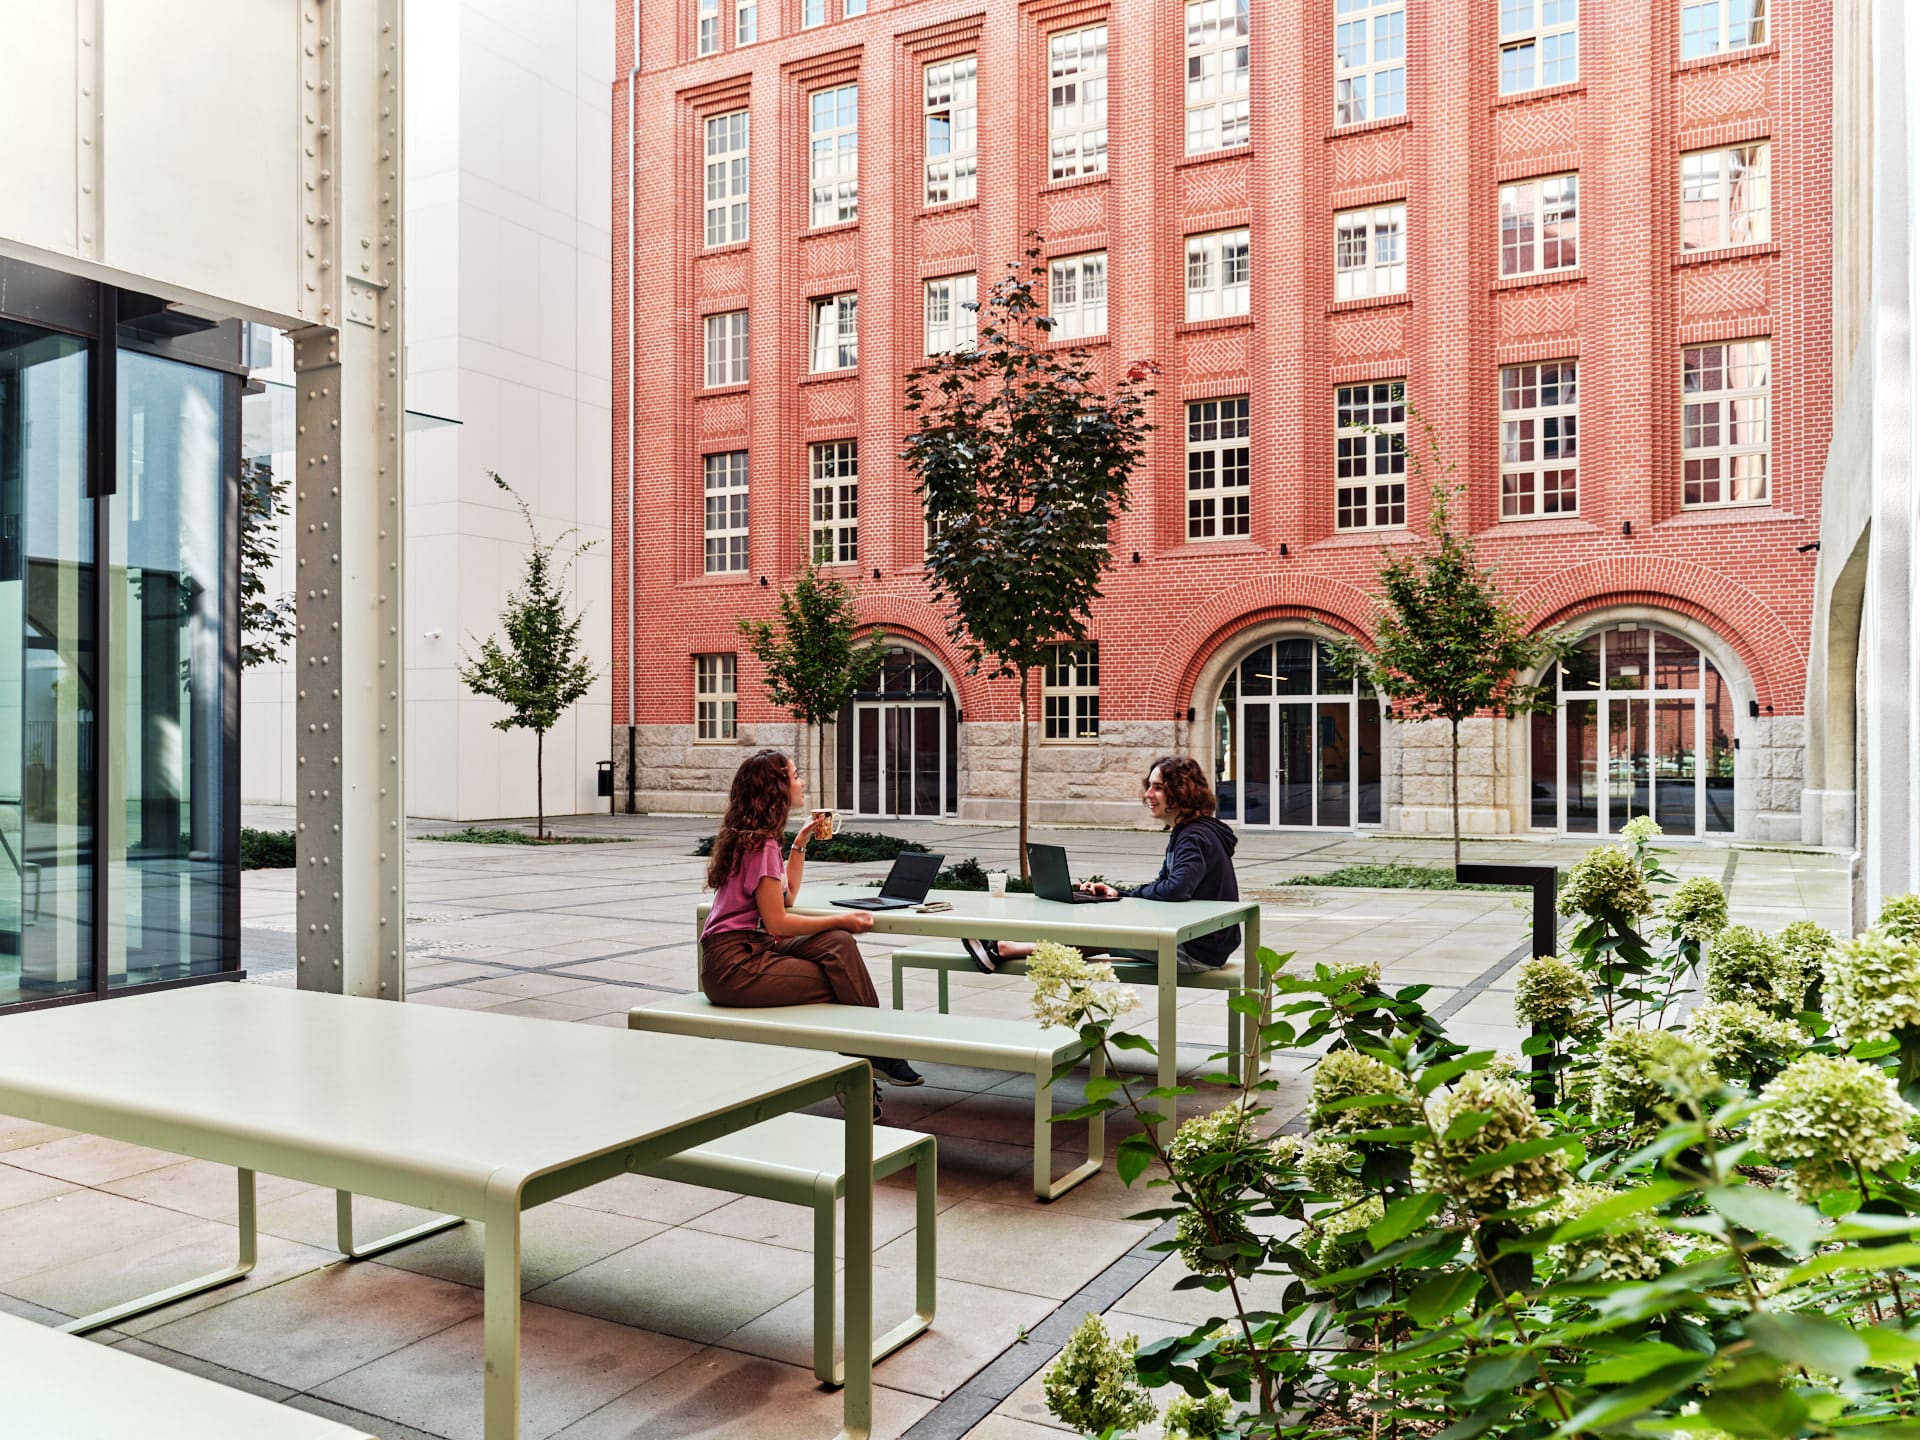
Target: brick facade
1174	607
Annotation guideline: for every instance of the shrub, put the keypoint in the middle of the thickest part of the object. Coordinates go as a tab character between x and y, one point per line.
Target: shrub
1697	909
846	847
1092	1387
1833	1119
1871	986
1743	964
1606	882
266	849
1551	993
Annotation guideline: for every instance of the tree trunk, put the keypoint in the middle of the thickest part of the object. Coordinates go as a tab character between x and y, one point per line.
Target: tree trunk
820	801
539	784
1024	742
1453	728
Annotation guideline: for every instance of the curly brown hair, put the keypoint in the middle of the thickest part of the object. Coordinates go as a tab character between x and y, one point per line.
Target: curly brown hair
757	807
1189	795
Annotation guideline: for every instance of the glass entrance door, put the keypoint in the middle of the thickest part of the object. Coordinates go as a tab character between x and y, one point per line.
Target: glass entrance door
896	744
1296	745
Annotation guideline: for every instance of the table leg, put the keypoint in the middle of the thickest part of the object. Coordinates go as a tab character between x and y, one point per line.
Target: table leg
249	1253
501	1303
1252	1050
1169	1041
856	1401
343	1230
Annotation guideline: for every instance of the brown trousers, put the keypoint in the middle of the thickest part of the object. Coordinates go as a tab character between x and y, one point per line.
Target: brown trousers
752	968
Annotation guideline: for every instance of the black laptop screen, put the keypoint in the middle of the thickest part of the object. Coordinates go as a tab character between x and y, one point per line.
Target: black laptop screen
911	877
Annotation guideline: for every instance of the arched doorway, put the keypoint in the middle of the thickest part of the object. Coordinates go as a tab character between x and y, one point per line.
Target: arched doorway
897	745
1643	724
1296	745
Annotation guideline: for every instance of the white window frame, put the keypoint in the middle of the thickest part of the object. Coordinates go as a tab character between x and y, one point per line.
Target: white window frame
1710	436
950	324
950	105
1219	274
834	328
1220	468
724	507
1370	455
1370	251
1369	60
833	471
1219	113
726	349
746	22
1539	44
851	8
1726	197
1077	296
1714	27
833	156
707	27
1077	102
1540	440
1527	209
812	13
716	698
1070	694
727	170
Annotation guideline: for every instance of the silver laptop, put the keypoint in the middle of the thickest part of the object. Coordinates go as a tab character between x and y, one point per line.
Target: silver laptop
907	883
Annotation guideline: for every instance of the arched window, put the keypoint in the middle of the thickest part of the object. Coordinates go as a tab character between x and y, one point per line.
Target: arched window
1296	743
1642	725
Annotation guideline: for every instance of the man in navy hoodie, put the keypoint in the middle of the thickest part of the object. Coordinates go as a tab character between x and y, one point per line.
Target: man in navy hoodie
1198	865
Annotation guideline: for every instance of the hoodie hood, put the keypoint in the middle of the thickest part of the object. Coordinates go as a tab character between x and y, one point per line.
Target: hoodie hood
1219	829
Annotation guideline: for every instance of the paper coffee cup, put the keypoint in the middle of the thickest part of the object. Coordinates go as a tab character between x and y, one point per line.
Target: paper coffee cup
996	882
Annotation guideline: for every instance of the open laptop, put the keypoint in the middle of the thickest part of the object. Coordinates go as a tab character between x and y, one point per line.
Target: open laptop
907	883
1050	878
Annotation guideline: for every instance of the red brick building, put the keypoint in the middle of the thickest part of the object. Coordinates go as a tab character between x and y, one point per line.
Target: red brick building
1591	242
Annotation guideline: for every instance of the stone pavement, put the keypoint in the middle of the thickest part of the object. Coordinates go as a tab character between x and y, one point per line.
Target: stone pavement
661	1310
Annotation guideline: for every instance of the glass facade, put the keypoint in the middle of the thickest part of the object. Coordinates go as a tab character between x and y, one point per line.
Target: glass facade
118	643
1296	743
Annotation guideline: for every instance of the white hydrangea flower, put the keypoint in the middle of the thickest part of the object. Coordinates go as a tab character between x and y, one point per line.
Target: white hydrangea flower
1870	986
1070	990
1640	830
1735	1032
1830	1117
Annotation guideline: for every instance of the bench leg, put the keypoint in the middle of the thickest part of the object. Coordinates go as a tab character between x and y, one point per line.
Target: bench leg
343	1230
1044	1185
500	1312
943	991
899	989
1234	1032
827	1367
249	1253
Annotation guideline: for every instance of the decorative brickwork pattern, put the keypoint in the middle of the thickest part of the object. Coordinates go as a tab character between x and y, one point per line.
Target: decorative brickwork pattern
1539	310
1708	291
1544	126
1219	353
1369	332
1365	159
1723	93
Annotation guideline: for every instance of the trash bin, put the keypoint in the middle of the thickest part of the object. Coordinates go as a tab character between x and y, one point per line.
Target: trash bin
605	781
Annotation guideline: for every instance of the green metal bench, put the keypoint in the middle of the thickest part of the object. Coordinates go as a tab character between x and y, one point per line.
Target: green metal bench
796	1160
945	957
1022	1046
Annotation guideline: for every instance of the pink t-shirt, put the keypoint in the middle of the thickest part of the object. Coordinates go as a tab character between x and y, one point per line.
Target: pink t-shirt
734	907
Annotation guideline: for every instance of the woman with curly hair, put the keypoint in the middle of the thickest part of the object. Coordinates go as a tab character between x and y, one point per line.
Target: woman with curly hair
1198	865
754	951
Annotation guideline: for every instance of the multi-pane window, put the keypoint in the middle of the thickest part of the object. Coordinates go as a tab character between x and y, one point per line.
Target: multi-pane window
727	178
813	12
836	333
727	349
1539	44
951	322
1077	286
715	697
1723	422
1217	57
1370	451
1218	280
746	21
1540	225
1725	197
834	164
1219	469
1539	439
1713	27
1070	693
709	26
726	517
1370	252
835	471
1077	102
953	137
1369	60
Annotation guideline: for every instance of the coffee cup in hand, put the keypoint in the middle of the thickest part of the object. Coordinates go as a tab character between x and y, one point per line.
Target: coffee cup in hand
823	824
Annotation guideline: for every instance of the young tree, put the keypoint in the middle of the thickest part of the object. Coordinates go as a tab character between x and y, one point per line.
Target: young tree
1023	462
1447	643
266	621
539	673
813	663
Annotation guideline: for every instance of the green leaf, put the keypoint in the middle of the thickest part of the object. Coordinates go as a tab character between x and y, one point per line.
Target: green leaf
1856	1257
1102	1086
1610	1410
1130	1040
1768	1212
1514	1154
1492	1374
1472	1123
1812	1342
1403	1216
1441	1295
1639	1362
1764	1411
1889	1349
1434	1076
1633	1202
1133	1157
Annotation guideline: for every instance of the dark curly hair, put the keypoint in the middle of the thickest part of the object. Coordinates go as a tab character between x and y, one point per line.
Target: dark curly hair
1189	795
757	807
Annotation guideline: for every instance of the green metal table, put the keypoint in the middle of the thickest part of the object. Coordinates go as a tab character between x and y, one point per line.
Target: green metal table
1157	927
479	1116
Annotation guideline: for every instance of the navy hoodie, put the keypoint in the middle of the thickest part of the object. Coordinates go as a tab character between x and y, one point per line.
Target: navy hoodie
1198	866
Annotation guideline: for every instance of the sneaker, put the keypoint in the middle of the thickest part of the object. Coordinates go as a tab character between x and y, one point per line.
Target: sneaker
985	955
897	1072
